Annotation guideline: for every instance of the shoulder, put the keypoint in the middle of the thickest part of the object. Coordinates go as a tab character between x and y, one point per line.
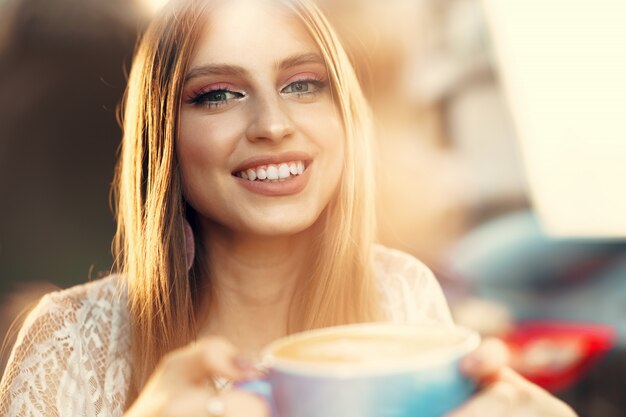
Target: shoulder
62	308
409	290
393	263
67	320
108	287
101	295
95	314
96	306
75	344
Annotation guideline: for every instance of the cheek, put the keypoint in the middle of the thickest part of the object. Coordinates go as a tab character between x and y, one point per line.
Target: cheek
202	136
335	148
203	147
330	135
323	125
338	142
325	129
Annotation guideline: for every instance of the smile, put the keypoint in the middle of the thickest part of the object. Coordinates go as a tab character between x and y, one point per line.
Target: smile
273	172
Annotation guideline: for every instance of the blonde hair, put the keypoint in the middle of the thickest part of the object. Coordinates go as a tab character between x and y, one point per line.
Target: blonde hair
149	243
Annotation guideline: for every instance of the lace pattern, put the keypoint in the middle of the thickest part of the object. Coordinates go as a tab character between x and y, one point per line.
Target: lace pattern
72	355
410	293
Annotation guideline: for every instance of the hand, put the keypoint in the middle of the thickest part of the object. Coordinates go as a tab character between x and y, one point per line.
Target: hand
179	385
504	393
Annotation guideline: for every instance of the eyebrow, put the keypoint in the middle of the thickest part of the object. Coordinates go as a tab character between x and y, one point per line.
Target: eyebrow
300	59
215	69
234	70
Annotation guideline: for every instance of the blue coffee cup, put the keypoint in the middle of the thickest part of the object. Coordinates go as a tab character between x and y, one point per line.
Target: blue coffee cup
367	370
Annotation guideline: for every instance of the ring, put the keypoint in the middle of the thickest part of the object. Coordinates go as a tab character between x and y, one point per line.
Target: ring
215	406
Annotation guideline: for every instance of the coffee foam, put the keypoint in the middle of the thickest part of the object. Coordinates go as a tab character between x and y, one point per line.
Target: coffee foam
366	347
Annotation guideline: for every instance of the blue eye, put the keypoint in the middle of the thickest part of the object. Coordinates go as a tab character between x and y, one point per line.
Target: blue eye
216	98
303	87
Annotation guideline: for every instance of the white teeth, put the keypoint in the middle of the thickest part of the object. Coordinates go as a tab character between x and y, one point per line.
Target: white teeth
272	172
251	174
283	171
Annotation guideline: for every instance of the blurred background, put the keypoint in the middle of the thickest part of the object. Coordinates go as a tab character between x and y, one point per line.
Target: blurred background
453	188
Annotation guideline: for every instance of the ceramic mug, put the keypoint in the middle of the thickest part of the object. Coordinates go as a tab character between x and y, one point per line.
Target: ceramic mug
367	370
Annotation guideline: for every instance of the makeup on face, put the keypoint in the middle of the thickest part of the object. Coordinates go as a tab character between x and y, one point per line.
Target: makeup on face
214	86
261	140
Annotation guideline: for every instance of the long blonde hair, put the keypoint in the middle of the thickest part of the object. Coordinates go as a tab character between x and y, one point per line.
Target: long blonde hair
149	243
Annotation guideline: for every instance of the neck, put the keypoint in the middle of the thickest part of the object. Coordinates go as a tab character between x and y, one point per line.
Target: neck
252	281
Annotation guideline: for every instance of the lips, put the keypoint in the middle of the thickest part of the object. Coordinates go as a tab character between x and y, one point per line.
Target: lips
278	167
275	175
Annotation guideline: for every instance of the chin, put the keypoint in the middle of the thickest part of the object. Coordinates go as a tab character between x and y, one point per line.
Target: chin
275	230
281	226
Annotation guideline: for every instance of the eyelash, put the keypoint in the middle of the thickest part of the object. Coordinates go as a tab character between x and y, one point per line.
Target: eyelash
202	98
318	85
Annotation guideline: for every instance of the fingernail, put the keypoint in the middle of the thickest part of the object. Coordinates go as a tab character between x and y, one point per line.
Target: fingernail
244	364
470	365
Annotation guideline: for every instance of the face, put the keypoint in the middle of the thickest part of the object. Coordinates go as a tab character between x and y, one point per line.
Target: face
261	143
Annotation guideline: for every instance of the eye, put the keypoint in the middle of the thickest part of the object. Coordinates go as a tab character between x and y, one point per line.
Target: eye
303	87
216	98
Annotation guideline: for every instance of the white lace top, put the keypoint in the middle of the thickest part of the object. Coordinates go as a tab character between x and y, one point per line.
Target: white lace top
72	356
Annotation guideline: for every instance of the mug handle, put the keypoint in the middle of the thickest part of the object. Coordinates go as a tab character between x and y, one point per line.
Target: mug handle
260	387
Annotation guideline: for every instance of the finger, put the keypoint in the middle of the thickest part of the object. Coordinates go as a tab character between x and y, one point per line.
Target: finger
487	361
536	400
206	358
511	396
498	399
239	403
195	402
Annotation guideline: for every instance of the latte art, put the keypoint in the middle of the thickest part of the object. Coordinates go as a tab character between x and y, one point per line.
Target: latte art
369	370
365	348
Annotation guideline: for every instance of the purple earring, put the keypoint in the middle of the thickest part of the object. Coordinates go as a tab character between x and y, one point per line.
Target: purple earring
190	246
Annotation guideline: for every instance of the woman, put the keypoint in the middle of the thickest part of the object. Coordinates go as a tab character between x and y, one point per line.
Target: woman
244	214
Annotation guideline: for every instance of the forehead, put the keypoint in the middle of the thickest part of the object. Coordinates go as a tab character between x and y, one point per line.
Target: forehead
251	33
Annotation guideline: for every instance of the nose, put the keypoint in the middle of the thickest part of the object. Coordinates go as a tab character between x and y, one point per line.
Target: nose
270	121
